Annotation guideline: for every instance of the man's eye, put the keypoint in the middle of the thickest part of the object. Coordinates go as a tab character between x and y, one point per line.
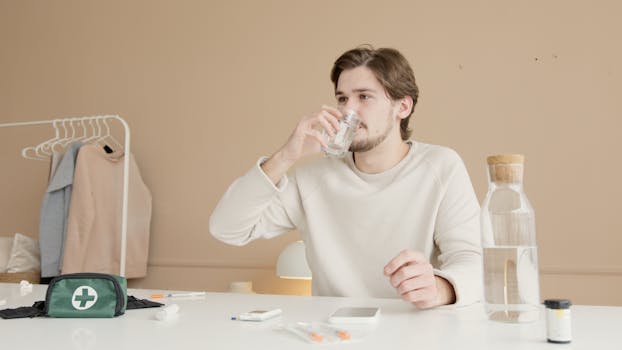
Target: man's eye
365	97
342	99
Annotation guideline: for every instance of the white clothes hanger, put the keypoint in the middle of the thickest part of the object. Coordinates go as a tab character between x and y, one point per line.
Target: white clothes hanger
30	153
37	152
58	145
71	138
84	132
95	130
102	141
44	148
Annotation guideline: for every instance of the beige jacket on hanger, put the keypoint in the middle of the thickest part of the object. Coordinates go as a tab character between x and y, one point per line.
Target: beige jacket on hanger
93	238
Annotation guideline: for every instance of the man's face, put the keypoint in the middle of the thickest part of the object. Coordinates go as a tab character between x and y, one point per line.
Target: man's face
360	91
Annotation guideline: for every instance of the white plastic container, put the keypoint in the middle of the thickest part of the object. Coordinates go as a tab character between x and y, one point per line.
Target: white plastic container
558	321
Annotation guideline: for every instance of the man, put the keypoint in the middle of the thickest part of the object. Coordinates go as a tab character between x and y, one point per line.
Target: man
395	217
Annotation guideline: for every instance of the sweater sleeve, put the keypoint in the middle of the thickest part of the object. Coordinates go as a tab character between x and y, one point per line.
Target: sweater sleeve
457	235
251	208
80	217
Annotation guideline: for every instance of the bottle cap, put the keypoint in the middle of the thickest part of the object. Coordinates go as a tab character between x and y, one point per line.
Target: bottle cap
506	159
506	168
557	303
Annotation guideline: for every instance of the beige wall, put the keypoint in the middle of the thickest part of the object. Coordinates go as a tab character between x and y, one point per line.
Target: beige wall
209	86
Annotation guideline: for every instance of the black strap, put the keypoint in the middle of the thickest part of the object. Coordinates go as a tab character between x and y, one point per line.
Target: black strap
21	312
38	308
133	303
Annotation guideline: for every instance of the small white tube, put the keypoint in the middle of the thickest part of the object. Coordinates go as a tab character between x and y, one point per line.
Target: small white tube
167	312
25	287
24	283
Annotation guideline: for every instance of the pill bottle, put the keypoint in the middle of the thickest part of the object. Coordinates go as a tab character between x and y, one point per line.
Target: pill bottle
558	327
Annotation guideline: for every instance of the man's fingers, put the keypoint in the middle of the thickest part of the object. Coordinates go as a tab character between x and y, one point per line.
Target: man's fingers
305	124
422	296
410	271
412	275
332	110
333	115
327	124
331	118
420	282
318	136
403	258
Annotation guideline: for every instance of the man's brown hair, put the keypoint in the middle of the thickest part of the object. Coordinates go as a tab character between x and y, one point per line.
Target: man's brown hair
390	68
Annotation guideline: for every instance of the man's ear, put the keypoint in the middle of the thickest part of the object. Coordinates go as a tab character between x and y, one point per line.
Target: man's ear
405	106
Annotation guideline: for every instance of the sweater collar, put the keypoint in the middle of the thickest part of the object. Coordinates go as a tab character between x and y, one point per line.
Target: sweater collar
389	174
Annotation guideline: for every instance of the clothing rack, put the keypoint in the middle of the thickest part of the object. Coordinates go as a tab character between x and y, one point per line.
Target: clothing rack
126	167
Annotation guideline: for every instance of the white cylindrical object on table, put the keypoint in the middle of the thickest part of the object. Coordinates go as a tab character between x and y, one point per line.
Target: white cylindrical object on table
558	321
25	287
167	312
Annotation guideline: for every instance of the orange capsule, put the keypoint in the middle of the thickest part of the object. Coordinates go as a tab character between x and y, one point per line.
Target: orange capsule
343	335
317	337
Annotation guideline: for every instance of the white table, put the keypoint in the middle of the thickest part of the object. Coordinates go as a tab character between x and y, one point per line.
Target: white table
206	323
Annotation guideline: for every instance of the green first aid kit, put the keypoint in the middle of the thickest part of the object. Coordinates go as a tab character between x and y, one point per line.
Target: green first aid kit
86	295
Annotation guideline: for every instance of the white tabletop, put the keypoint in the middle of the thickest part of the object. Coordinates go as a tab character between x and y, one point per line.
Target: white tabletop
206	323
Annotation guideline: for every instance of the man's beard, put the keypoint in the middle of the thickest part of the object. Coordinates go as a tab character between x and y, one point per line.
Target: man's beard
369	144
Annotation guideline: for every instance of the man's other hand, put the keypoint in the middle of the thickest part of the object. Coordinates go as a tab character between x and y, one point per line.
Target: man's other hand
412	275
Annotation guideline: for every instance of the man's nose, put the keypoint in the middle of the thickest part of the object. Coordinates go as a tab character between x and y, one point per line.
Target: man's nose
351	106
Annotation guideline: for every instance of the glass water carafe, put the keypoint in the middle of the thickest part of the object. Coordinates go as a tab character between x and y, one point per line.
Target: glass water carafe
511	283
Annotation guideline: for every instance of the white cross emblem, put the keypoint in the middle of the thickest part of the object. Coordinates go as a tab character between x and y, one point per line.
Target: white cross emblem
83	298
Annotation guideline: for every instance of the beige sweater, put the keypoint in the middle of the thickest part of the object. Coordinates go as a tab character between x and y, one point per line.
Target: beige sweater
354	223
93	238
